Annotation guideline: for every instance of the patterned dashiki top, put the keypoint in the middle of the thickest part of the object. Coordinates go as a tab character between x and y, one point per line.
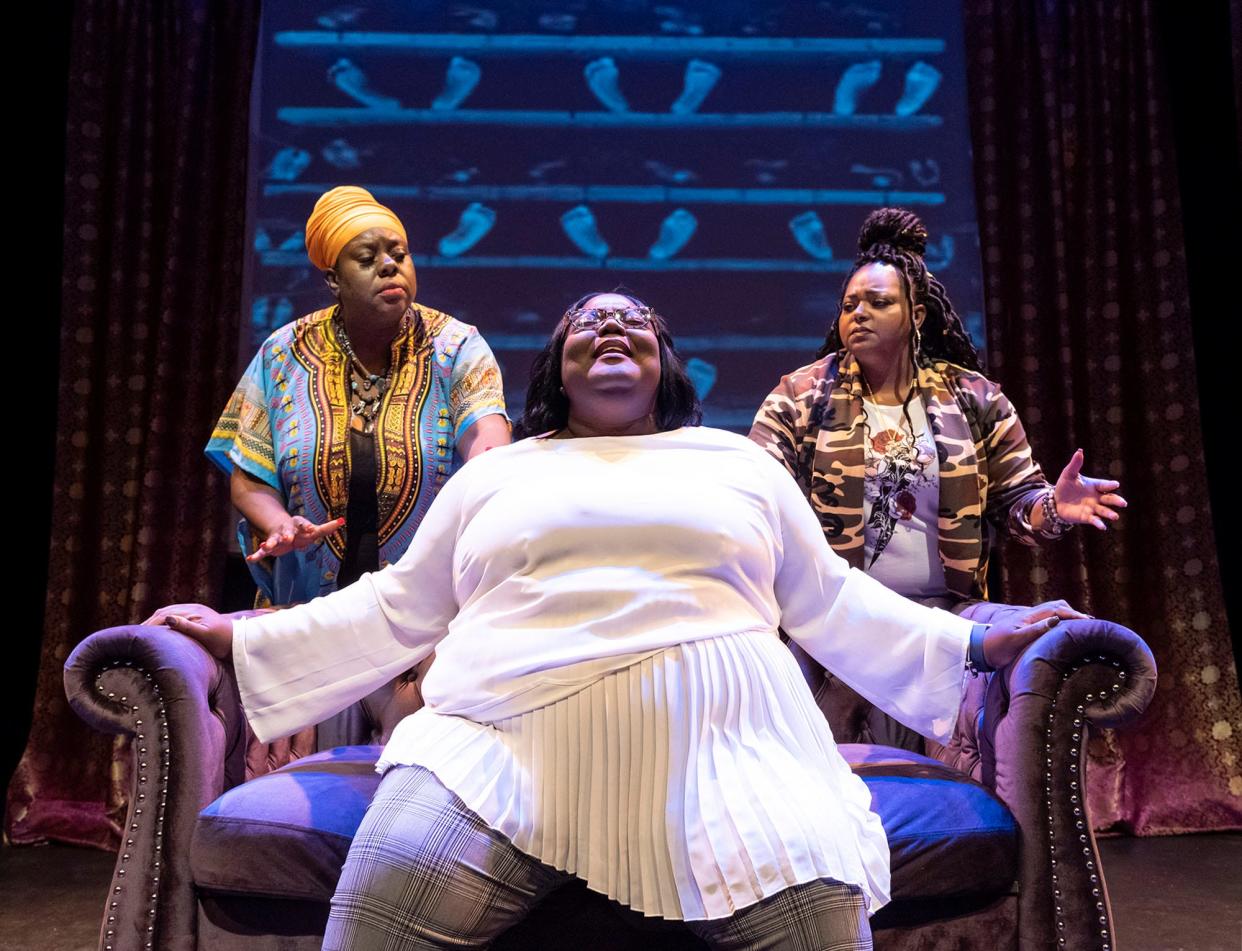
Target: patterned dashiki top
287	425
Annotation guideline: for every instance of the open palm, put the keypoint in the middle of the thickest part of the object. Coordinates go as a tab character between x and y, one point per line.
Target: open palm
1085	501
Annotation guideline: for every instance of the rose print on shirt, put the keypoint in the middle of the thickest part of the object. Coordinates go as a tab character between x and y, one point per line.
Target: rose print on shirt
896	466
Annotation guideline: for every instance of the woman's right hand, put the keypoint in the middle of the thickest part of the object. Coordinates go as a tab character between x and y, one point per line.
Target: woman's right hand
211	629
294	534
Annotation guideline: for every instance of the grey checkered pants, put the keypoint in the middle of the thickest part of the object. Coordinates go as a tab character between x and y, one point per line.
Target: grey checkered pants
426	872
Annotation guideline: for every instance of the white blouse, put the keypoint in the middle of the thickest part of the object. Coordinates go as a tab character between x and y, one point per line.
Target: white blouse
609	690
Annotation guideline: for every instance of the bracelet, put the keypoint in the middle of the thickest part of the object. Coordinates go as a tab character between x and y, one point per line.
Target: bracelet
1054	525
976	664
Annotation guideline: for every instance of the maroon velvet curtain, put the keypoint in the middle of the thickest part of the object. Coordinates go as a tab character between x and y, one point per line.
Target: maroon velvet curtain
1089	331
153	239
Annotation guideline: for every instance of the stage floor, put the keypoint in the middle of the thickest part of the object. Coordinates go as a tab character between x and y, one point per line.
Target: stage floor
1169	894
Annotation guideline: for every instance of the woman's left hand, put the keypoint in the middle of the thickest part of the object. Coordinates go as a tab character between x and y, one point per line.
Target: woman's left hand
1084	501
1005	640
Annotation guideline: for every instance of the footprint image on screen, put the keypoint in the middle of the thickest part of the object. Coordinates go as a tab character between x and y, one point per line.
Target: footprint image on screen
677	21
853	83
560	22
340	154
939	254
808	231
460	79
479	17
666	173
922	79
259	311
701	78
282	313
475	222
767	171
544	169
926	172
702	374
297	277
880	177
602	77
352	81
295	242
287	165
579	224
675	231
339	17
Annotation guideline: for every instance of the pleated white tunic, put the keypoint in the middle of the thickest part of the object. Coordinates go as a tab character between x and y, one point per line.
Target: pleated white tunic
609	690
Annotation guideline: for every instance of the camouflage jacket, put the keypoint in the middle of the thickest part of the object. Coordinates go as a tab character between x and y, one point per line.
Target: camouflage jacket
813	424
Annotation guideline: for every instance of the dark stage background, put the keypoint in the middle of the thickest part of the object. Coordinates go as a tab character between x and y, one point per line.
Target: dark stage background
1110	292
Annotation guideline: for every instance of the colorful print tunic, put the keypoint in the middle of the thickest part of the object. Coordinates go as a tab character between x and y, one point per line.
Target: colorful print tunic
813	423
287	425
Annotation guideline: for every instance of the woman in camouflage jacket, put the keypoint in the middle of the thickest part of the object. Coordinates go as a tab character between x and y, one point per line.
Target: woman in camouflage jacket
902	445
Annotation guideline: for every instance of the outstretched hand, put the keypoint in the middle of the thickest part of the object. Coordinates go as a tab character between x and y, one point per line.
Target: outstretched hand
1003	642
1085	501
296	534
211	629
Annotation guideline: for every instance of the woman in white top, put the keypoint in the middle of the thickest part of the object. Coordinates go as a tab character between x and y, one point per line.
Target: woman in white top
610	698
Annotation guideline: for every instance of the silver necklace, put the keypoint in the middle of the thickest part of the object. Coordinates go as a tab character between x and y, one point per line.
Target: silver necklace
366	389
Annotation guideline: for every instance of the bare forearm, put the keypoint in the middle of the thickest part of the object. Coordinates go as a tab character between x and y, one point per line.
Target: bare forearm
263	507
486	433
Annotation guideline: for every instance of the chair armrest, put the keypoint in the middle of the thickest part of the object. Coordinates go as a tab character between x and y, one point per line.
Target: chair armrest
181	708
1029	724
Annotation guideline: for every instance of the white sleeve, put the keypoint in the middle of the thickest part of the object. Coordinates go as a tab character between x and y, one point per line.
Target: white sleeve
906	659
299	666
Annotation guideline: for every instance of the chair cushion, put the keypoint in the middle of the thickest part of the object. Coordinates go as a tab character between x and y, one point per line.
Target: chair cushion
286	834
947	834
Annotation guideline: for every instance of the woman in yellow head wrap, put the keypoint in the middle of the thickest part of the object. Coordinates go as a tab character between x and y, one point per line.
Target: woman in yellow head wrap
349	420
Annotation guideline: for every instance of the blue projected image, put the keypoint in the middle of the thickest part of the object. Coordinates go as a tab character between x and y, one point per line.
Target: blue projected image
716	160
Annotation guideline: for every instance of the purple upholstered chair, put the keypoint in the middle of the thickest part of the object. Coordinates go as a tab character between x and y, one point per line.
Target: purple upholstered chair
990	838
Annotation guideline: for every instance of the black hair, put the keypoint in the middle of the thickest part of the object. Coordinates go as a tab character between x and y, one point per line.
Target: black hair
547	407
898	237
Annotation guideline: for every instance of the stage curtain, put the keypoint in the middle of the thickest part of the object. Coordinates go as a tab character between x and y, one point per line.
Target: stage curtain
155	180
1089	330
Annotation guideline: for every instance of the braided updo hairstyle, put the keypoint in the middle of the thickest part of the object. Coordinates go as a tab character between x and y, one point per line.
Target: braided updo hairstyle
898	237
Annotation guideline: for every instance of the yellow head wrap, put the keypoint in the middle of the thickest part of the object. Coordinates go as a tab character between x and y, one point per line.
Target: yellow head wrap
341	215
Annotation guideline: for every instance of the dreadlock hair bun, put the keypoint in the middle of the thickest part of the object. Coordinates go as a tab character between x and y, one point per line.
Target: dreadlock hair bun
898	238
893	228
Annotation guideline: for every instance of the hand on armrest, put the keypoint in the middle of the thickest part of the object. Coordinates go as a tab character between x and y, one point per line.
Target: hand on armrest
1005	641
211	629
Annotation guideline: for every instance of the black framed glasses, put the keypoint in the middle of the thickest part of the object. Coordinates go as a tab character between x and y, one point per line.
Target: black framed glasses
591	318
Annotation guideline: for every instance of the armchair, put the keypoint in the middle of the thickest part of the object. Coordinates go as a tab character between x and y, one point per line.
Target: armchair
990	835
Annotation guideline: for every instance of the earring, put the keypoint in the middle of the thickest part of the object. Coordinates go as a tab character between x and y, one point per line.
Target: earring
918	342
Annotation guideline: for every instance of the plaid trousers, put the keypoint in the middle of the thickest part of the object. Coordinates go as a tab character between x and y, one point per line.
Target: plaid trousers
425	872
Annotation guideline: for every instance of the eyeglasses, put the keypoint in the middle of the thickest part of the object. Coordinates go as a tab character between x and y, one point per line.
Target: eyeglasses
632	318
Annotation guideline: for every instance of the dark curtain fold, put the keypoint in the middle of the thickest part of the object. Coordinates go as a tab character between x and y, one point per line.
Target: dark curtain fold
1090	332
155	181
1235	47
